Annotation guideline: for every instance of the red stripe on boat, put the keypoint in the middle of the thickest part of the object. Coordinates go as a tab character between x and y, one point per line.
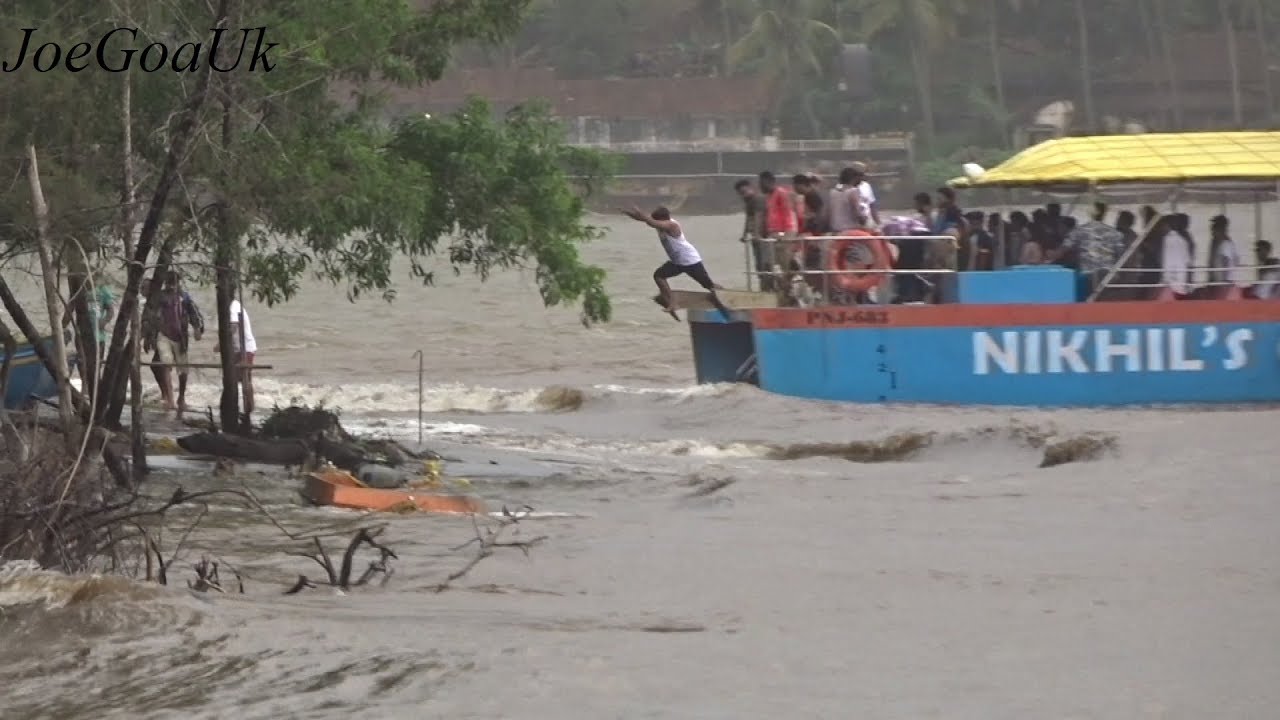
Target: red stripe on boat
1101	313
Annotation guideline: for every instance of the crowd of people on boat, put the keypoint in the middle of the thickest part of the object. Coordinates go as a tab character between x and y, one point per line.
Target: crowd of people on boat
800	233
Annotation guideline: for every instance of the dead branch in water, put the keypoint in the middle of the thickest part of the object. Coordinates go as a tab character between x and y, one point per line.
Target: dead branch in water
96	523
488	539
207	577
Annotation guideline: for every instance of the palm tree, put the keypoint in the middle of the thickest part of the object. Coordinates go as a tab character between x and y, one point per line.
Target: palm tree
1233	59
720	13
1260	17
997	65
1086	72
925	23
1152	48
1166	46
784	43
997	69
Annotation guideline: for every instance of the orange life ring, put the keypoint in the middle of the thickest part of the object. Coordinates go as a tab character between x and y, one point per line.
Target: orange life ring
837	259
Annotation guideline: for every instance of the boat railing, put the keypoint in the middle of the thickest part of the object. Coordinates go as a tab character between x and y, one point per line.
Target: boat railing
1195	270
801	245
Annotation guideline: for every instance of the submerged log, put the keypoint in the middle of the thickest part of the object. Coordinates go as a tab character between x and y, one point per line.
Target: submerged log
343	455
348	456
270	452
296	435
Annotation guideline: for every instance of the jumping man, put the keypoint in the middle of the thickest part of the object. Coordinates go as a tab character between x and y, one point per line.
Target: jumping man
682	258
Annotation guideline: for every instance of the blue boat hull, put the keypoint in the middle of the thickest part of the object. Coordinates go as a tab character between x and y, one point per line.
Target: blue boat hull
28	378
1045	355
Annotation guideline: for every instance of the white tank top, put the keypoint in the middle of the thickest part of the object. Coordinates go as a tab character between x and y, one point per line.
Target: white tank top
679	249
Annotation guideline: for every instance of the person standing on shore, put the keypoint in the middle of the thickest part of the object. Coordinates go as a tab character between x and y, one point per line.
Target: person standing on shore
165	329
753	208
682	258
243	355
102	309
157	372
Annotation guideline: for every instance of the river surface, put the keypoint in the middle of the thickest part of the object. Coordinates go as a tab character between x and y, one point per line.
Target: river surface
710	552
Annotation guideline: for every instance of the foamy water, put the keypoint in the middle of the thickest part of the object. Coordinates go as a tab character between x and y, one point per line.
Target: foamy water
712	551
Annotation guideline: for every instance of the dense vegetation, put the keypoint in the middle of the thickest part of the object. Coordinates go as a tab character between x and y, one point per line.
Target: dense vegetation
255	178
959	71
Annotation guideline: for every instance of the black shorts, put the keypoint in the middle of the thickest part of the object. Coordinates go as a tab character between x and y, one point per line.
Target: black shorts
696	271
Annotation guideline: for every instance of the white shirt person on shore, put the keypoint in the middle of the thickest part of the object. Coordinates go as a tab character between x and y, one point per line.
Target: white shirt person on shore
243	356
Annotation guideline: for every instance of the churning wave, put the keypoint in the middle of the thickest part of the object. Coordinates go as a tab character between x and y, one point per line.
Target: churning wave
390	398
24	583
1027	445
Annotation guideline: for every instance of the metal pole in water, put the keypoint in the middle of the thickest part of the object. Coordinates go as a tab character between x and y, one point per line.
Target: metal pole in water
420	356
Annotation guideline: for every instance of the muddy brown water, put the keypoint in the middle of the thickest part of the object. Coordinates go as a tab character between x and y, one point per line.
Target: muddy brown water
713	552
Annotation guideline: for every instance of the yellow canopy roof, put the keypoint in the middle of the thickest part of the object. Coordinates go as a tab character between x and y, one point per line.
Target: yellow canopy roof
1219	161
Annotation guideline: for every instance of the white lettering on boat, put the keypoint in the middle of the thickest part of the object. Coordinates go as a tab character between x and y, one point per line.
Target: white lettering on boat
1106	350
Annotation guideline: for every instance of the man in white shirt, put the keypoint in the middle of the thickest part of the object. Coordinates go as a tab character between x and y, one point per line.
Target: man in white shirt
1175	259
245	355
868	208
682	259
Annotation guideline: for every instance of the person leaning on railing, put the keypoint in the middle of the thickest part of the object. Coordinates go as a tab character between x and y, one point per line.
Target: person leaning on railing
908	287
1224	259
813	225
1268	285
780	224
754	209
942	254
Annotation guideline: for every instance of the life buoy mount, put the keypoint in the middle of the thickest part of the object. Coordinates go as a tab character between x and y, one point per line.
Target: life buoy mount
859	250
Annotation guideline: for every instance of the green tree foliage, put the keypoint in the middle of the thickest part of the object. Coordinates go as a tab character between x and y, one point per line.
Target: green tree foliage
969	69
299	169
786	40
496	193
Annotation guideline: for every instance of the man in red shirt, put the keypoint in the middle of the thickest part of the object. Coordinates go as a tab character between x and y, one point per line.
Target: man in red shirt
780	208
780	222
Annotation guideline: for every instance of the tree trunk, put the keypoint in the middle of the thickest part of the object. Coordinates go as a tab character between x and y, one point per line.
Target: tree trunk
224	269
1153	53
726	35
924	84
117	371
50	281
10	349
1233	62
273	452
225	255
83	291
1268	91
1166	46
997	69
28	330
1086	72
137	441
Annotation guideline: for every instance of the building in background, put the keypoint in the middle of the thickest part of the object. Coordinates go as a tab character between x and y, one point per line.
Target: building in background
610	112
684	139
